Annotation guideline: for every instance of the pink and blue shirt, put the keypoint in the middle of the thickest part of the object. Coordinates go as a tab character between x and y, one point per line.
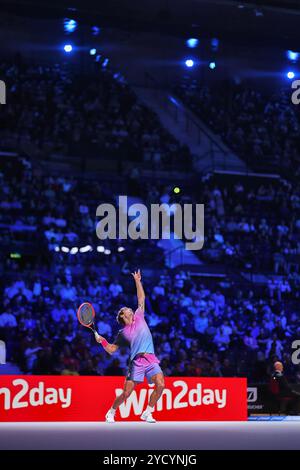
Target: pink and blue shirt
137	335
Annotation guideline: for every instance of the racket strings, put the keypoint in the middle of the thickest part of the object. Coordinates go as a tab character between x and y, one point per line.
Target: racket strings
86	314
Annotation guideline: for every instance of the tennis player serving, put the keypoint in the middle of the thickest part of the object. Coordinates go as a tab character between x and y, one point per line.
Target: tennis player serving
143	362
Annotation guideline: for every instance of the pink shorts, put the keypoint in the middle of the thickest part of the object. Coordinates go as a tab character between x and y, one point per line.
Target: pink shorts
145	365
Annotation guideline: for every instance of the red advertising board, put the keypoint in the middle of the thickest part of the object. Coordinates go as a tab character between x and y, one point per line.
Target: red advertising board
67	398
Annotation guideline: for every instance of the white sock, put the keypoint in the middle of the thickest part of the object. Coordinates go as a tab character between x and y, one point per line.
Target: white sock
149	409
113	411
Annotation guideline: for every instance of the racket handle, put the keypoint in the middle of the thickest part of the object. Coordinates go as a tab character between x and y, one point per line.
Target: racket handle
97	336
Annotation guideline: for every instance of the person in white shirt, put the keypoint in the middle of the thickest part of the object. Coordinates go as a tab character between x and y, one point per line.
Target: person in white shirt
227	330
30	354
221	339
105	328
8	320
58	312
201	323
274	347
115	289
68	292
158	290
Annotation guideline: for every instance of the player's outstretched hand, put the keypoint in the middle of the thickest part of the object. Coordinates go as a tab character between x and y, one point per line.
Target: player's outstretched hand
137	275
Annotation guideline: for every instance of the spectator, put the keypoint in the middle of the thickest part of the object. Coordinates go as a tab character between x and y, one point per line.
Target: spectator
114	368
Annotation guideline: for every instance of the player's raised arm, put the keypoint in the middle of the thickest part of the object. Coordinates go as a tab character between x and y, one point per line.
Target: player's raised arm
139	289
109	348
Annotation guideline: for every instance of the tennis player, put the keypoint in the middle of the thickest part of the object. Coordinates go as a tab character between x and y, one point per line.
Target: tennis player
143	362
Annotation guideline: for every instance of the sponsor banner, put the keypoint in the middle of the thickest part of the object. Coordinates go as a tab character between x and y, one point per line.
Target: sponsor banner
257	399
261	400
67	398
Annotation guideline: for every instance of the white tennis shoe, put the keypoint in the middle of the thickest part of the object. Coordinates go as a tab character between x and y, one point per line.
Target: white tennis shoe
147	416
110	417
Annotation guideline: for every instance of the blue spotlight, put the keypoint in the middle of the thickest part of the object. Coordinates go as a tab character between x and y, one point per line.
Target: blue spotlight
214	44
95	30
212	65
93	51
290	75
192	43
189	63
68	48
105	63
292	55
70	25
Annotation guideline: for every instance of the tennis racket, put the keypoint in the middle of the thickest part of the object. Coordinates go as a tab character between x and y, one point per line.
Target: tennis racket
86	316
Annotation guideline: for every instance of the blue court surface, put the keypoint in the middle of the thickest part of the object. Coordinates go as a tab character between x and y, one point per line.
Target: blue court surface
274	418
265	433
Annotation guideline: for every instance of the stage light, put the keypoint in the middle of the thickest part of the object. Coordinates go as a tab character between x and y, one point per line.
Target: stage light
93	51
57	249
214	44
85	249
105	62
258	12
74	250
173	100
120	249
70	25
65	249
15	255
189	63
100	249
176	190
290	75
292	55
212	65
107	252
95	30
192	43
68	48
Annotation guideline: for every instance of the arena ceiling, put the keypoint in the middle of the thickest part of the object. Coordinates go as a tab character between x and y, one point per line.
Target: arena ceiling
273	22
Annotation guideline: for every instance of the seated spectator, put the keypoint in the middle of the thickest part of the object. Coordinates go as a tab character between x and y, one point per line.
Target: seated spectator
221	339
115	289
274	347
250	341
201	323
114	368
8	320
226	369
68	292
71	369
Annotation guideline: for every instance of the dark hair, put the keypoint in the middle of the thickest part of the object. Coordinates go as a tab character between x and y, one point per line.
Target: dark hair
120	319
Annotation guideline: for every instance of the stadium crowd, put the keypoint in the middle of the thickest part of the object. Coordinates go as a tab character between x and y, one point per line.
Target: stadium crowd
229	331
248	223
199	329
262	128
228	328
59	111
